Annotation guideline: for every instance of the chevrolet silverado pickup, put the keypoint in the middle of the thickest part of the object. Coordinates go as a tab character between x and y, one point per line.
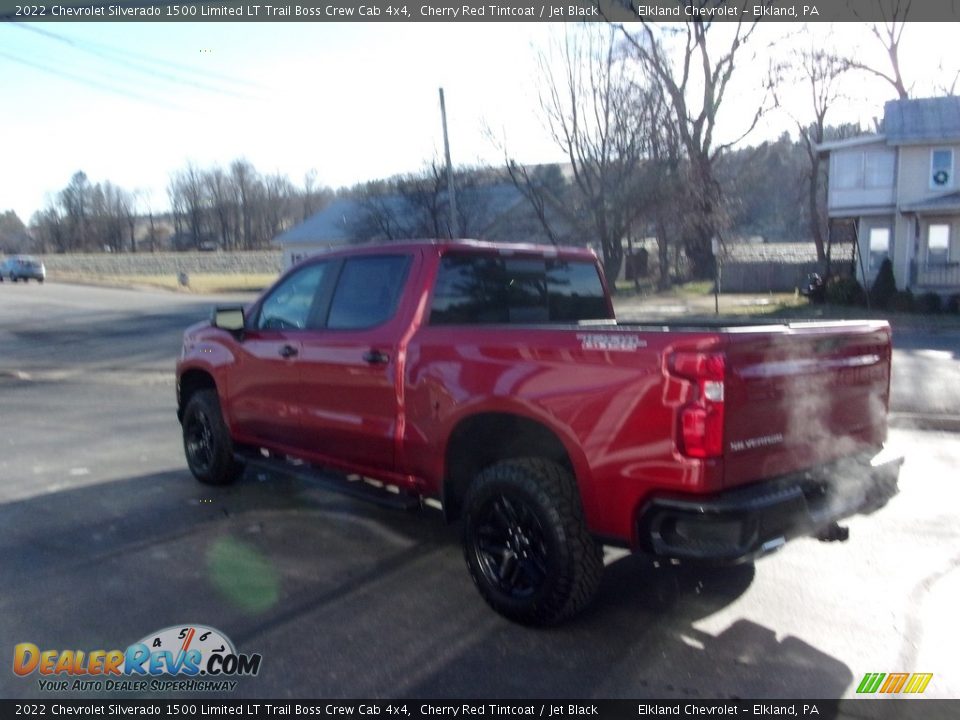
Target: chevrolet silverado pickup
495	380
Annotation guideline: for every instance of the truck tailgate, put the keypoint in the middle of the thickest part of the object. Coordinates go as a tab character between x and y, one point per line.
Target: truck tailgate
803	395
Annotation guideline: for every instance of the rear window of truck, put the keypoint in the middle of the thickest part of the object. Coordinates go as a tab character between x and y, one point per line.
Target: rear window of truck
474	289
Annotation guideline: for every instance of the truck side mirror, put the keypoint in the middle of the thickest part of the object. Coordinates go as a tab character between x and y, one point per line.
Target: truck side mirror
230	319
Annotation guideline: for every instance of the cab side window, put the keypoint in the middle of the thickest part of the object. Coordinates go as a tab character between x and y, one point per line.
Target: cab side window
292	304
476	289
367	291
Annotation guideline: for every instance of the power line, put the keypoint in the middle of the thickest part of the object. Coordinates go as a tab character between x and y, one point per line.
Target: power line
153	67
87	81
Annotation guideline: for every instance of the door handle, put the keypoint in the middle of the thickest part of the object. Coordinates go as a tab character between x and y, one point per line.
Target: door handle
375	357
288	351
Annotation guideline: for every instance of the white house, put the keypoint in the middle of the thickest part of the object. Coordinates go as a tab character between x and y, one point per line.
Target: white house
900	190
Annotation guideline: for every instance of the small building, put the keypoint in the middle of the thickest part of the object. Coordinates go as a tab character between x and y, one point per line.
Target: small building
898	190
493	210
329	228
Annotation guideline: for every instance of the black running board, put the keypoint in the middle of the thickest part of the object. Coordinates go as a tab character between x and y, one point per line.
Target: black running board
373	491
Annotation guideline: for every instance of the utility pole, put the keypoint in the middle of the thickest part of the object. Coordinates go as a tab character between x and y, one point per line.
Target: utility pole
454	230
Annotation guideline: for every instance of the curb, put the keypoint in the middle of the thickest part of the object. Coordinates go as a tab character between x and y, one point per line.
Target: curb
924	421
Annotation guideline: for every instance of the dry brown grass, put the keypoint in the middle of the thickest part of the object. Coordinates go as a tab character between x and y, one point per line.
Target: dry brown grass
200	283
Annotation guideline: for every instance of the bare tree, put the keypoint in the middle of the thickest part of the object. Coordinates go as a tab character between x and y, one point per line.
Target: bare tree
189	200
669	189
76	200
703	70
128	208
599	112
222	203
111	209
947	87
820	71
275	208
417	205
244	180
49	229
889	33
313	197
13	234
425	197
539	191
377	219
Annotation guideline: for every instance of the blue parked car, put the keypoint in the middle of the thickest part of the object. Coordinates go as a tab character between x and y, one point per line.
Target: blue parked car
22	267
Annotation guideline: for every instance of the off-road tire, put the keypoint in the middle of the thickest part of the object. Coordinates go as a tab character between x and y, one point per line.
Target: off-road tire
526	543
206	441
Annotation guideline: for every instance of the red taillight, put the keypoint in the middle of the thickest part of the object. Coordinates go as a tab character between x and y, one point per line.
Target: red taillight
701	421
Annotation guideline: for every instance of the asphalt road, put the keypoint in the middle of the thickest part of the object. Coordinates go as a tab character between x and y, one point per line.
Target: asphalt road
105	538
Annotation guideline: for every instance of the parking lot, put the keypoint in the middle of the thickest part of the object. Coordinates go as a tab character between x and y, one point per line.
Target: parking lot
105	538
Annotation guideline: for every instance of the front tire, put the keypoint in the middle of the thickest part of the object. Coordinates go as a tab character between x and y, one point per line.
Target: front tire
526	543
206	441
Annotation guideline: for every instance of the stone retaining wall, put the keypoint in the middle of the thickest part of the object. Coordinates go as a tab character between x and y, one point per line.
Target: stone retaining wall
165	263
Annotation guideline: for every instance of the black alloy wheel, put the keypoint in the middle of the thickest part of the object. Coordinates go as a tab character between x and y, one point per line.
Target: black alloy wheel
206	441
511	547
526	543
198	441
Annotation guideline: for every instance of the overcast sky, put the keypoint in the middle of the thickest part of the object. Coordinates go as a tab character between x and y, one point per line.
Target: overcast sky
133	103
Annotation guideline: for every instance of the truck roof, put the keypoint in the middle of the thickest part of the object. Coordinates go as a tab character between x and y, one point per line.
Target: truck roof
442	246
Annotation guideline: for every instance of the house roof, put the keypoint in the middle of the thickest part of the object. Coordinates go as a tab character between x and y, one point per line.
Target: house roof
923	120
485	204
850	142
331	225
943	203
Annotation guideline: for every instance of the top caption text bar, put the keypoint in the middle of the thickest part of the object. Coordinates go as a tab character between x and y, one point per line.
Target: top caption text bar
486	11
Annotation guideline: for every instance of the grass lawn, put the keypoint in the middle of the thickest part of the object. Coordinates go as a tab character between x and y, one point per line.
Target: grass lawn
695	301
840	312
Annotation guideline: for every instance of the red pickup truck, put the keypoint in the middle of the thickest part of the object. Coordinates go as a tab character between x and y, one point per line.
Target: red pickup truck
496	380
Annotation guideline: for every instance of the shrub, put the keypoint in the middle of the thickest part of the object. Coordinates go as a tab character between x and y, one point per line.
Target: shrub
884	287
953	304
929	303
903	302
845	291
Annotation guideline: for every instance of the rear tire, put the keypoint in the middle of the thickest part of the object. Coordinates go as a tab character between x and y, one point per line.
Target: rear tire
206	441
526	543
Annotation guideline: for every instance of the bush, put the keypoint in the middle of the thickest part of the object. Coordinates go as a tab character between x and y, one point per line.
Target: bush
903	302
953	304
845	291
929	303
884	288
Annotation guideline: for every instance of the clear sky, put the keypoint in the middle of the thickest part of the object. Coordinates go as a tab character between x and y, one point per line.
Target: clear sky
133	103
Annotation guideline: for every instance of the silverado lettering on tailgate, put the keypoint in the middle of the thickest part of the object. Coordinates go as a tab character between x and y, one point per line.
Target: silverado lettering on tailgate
610	341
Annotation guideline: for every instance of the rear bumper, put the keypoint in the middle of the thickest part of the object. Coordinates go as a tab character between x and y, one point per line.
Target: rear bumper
741	524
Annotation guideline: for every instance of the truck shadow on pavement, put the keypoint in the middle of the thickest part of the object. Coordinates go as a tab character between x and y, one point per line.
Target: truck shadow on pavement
345	599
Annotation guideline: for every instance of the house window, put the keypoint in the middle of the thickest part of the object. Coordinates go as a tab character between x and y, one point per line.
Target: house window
941	169
879	247
864	169
848	170
938	244
878	169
